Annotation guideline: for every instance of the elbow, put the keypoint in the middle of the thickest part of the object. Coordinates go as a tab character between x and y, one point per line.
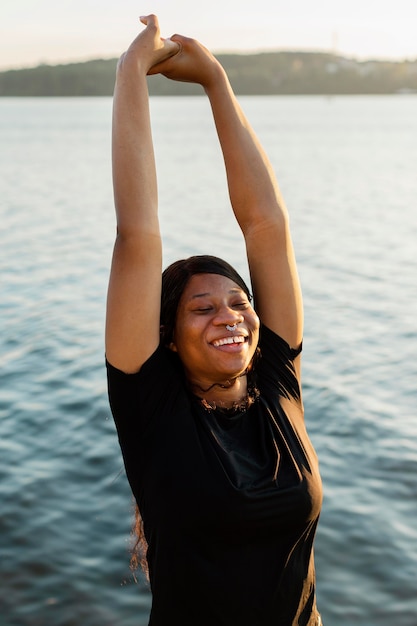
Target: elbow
276	224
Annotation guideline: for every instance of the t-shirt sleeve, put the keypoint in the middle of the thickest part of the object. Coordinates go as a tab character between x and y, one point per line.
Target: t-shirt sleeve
136	400
276	367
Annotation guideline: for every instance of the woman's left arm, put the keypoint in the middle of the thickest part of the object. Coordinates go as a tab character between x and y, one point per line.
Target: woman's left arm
256	200
262	215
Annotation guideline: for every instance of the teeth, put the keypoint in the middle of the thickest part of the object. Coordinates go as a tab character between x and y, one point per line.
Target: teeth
229	340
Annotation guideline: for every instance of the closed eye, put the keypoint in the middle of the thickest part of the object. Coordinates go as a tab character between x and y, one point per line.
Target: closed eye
203	309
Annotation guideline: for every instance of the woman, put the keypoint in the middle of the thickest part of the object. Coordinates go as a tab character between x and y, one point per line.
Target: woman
213	437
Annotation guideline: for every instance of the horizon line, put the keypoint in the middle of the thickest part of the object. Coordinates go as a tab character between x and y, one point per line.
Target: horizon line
233	51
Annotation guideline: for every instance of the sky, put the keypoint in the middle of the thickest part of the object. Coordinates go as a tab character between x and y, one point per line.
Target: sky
62	31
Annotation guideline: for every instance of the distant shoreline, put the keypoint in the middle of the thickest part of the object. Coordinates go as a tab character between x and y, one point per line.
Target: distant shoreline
263	73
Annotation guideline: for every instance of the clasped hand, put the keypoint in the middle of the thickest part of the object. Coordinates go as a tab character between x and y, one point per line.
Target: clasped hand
178	58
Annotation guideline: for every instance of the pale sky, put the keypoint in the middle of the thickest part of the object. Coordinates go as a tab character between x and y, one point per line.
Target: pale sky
61	31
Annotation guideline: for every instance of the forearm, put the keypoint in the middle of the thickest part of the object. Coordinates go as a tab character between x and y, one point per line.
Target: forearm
253	189
134	173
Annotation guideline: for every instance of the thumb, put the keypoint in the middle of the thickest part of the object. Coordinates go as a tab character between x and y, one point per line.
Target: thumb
170	50
171	46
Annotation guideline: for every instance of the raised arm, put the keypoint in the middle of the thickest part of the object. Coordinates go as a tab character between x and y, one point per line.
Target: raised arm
133	302
254	193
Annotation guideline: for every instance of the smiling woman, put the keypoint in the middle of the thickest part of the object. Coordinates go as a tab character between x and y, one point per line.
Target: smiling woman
204	388
210	306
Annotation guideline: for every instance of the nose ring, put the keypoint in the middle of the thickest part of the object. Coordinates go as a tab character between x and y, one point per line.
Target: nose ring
231	328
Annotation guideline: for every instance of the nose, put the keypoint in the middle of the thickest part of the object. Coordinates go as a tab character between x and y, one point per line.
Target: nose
228	316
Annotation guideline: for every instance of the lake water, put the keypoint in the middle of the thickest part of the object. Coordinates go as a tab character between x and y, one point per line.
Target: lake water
348	170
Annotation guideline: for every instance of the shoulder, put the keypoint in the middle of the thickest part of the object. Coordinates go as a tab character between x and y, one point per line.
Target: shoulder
159	358
278	365
270	341
136	398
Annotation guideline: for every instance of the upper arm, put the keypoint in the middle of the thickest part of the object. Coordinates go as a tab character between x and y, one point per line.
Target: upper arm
274	277
133	301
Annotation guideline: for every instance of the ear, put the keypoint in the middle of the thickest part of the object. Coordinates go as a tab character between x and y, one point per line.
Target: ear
171	345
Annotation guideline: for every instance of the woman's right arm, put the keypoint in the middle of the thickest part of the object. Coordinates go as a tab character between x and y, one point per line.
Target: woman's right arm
133	301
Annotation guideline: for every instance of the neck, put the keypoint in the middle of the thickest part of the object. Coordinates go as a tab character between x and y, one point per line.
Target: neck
224	394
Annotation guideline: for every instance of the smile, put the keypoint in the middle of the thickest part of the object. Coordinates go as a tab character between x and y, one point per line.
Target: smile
229	340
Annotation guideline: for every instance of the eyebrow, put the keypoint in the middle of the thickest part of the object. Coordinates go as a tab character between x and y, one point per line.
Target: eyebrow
208	293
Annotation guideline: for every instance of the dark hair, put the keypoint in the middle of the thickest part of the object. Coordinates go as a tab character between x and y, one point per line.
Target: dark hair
175	278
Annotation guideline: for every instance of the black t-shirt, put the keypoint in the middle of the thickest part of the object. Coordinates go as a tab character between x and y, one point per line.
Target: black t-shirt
230	504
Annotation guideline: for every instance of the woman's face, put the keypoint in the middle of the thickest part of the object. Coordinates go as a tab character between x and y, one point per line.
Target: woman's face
209	303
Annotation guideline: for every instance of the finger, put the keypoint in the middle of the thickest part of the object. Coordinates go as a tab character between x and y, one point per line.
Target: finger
171	50
149	19
180	39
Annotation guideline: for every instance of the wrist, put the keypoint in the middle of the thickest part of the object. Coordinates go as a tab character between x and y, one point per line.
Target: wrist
215	79
132	63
